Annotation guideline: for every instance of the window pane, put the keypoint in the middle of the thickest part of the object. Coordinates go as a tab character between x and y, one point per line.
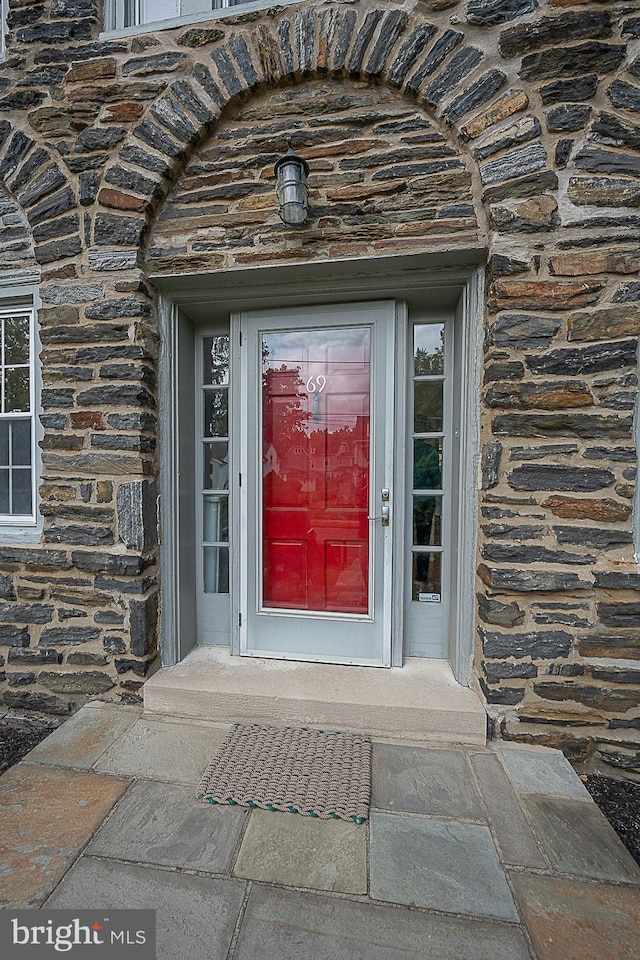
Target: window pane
216	413
216	466
4	490
216	519
216	570
216	361
426	577
427	464
427	410
427	517
16	390
428	349
4	443
21	443
21	479
16	340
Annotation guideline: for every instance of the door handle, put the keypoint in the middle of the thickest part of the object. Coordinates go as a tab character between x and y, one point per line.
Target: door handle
385	511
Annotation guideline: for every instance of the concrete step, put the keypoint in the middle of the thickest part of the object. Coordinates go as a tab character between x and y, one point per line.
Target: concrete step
420	701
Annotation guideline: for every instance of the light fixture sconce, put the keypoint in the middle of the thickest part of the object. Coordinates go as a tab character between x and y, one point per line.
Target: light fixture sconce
291	186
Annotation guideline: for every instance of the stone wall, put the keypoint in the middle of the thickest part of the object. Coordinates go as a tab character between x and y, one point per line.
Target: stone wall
428	126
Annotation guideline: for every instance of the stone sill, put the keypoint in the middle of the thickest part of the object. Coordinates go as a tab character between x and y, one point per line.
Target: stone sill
174	23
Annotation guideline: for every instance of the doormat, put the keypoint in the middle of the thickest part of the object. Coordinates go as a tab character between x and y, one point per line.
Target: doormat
317	773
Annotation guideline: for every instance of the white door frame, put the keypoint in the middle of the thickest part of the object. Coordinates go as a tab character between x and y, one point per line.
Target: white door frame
393	277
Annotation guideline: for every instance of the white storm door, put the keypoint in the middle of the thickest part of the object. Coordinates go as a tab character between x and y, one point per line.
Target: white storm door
317	482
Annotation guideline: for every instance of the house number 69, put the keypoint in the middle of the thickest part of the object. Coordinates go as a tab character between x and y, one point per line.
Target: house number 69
316	384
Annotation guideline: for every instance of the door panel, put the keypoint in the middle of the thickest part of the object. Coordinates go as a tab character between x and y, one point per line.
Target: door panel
317	443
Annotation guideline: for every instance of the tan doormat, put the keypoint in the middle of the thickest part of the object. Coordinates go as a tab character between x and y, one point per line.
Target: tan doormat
314	772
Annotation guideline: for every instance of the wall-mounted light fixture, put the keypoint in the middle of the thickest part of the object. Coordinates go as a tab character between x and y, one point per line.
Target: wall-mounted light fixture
291	175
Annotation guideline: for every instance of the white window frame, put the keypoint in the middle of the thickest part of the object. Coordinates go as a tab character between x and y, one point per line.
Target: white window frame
117	13
4	5
19	295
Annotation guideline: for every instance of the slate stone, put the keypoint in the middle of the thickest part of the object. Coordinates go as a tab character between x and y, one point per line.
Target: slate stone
38	703
207	908
545	772
18	655
563	152
42	185
612	699
480	92
595	920
516	553
592	851
137	514
503	670
617	580
153	135
624	95
195	836
435	782
227	72
438	53
170	114
304	852
155	63
114	644
118	394
552	395
58	250
68	636
604	356
605	161
514	837
568	116
546	31
17	150
619	614
515	163
112	229
363	38
507	696
572	61
539	645
142	624
142	158
452	867
558	477
561	425
13	612
107	260
490	12
187	97
490	466
20	678
120	307
391	29
88	659
409	52
123	565
503	370
166	751
592	536
608	128
86	681
52	206
139	667
132	181
344	929
459	66
499	613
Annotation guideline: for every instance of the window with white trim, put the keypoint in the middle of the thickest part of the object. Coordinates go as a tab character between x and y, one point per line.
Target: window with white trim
17	417
120	14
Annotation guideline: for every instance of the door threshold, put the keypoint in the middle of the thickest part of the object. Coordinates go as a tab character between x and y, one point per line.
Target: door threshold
418	702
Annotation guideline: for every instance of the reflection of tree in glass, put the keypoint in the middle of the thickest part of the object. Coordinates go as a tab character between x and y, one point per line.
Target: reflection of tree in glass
16	340
219	354
284	417
428	363
16	390
426	470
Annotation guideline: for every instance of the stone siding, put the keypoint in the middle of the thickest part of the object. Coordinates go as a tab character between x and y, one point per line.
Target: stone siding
428	125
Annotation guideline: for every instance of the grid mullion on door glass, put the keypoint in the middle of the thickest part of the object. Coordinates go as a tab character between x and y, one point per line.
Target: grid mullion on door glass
428	448
215	477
